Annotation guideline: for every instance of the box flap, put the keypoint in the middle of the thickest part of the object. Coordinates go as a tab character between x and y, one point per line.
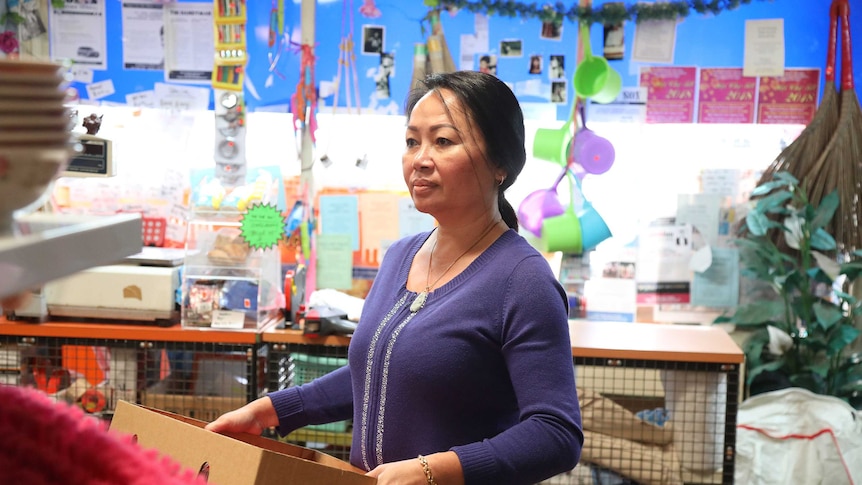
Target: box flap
235	458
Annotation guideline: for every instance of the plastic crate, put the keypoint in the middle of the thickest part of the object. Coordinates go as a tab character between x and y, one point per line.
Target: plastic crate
306	368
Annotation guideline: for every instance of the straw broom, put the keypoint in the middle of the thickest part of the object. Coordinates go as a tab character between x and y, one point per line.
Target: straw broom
840	165
795	158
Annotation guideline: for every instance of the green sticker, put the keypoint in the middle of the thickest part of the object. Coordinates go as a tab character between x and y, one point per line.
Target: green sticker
262	226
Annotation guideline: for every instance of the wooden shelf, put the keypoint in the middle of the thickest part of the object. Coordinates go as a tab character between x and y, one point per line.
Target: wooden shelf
611	340
288	336
176	333
649	341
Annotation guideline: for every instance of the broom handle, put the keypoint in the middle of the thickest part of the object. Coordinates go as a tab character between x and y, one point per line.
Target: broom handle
832	45
846	48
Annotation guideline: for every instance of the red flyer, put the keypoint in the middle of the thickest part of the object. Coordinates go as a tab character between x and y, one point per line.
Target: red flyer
670	93
726	96
790	99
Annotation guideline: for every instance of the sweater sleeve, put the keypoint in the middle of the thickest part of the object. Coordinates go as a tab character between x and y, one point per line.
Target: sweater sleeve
327	399
538	355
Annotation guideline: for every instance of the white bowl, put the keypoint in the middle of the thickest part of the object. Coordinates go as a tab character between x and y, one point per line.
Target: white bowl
25	176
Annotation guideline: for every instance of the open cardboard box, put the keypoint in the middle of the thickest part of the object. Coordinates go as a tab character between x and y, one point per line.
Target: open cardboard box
232	458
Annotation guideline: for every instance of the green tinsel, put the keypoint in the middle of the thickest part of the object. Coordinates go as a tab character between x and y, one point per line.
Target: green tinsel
606	14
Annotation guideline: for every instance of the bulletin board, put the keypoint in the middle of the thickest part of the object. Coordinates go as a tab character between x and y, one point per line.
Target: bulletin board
523	52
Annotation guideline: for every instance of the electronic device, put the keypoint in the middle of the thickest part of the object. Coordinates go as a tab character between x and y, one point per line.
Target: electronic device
94	160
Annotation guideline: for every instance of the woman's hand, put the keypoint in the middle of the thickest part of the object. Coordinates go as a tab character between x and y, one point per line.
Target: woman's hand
405	472
445	467
252	418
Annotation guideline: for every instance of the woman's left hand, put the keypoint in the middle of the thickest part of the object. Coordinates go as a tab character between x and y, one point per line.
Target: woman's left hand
405	472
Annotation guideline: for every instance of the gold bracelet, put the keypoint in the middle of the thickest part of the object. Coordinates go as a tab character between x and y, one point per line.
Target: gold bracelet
427	470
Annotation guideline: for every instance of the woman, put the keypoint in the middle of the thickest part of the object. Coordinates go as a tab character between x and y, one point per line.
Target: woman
462	355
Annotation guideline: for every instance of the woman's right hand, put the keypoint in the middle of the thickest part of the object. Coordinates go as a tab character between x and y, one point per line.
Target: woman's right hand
253	418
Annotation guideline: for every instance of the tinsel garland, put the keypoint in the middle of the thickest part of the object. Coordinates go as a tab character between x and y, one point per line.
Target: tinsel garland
610	13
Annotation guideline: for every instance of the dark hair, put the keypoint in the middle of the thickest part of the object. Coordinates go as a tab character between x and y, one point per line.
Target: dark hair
495	110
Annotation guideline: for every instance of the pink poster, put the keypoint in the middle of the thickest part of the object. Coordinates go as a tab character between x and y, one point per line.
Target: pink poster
725	96
670	93
790	99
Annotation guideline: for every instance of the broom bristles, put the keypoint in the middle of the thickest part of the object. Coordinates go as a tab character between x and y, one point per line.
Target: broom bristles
796	158
839	168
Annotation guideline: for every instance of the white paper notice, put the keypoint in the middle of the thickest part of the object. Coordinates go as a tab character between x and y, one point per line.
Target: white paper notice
143	35
654	41
181	98
100	89
228	319
764	48
77	33
142	99
701	211
81	74
189	43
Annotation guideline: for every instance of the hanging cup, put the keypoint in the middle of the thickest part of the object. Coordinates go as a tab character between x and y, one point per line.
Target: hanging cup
593	152
563	233
594	230
540	205
594	77
551	144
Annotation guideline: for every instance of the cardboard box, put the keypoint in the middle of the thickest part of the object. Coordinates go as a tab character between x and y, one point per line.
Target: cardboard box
234	458
204	408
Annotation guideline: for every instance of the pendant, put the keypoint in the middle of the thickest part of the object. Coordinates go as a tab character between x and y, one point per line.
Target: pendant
419	302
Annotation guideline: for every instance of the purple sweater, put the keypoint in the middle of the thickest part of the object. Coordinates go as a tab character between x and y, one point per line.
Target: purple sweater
483	369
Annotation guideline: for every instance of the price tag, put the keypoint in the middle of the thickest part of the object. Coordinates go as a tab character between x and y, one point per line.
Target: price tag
228	319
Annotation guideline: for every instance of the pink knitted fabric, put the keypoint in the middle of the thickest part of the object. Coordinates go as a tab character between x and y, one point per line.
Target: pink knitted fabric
47	442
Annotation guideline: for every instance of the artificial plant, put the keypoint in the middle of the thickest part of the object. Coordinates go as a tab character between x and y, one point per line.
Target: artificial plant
805	333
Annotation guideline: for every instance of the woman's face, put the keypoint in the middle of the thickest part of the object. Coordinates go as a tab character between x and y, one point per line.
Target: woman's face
444	161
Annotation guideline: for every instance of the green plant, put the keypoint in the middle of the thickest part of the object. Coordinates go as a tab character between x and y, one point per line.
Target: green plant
806	332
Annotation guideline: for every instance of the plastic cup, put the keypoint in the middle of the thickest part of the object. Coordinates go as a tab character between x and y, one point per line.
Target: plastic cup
594	78
537	207
551	144
563	233
593	152
594	230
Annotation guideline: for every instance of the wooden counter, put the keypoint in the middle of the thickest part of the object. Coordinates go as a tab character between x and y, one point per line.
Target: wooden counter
615	340
651	341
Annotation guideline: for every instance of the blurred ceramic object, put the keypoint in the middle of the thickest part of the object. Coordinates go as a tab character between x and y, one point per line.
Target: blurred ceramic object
25	176
35	134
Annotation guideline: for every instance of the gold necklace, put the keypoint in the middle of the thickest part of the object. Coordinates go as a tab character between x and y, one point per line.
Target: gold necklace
419	302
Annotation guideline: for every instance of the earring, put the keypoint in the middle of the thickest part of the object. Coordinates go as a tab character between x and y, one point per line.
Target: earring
500	182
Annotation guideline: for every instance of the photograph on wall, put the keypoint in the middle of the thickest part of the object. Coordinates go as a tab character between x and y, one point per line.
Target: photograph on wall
511	48
372	39
488	63
557	67
551	31
535	64
558	92
615	45
31	24
384	71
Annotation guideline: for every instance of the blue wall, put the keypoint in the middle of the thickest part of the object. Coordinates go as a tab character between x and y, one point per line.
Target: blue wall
706	41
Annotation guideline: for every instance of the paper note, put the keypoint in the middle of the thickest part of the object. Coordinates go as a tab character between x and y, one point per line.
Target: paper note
339	214
142	99
702	212
764	48
100	89
654	41
718	286
376	212
334	262
410	220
